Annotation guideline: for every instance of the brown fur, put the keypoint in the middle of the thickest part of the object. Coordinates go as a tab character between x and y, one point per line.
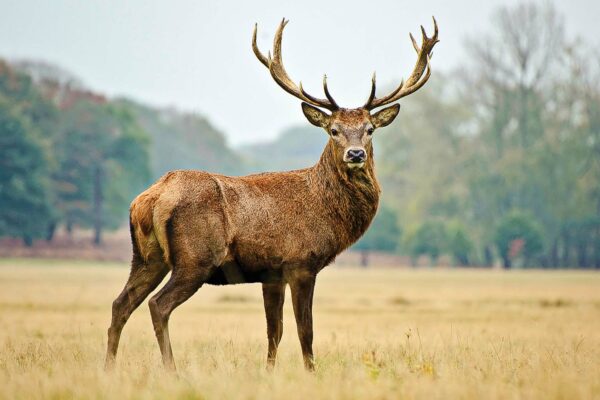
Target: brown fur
275	228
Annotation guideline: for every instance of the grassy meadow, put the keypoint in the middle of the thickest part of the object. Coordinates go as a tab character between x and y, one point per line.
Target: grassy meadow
379	333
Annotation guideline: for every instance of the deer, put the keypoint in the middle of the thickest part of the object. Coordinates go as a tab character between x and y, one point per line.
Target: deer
277	229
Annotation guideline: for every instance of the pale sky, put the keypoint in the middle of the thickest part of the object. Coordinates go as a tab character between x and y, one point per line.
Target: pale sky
196	55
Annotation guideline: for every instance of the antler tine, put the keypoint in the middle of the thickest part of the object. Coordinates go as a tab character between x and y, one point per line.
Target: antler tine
277	40
373	89
419	76
314	100
423	32
317	100
279	74
327	94
264	60
414	42
416	86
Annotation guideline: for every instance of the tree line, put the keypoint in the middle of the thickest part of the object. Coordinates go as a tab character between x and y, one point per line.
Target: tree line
501	160
68	156
74	158
496	163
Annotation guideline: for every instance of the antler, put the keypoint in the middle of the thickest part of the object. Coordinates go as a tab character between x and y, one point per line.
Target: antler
275	66
416	79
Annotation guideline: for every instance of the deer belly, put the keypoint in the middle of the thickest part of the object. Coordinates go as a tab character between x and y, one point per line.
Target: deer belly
232	273
256	258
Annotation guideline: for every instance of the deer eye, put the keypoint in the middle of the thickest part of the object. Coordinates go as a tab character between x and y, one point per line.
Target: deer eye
334	131
370	130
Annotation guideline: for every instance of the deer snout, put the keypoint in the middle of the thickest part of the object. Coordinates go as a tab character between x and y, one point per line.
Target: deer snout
355	155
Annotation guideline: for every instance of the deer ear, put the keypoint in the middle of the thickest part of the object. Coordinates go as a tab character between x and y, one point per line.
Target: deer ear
315	116
386	116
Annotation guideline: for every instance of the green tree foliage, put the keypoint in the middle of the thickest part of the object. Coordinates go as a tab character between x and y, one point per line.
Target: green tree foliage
24	180
519	129
383	234
71	156
419	157
103	162
518	236
20	91
430	239
25	156
535	127
95	154
459	244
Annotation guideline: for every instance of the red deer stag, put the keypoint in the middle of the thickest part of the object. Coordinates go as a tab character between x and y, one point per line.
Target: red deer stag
274	228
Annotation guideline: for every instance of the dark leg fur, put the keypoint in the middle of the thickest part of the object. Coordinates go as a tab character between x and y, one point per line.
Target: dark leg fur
143	279
302	298
178	289
273	296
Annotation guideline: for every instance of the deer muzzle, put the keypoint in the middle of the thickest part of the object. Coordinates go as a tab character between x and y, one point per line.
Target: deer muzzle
355	157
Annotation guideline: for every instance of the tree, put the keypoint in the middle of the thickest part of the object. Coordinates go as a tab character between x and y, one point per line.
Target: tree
581	108
382	235
428	239
459	243
518	236
36	117
103	162
24	191
522	159
512	67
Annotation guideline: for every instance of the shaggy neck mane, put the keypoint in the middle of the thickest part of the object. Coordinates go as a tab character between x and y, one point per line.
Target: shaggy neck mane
352	195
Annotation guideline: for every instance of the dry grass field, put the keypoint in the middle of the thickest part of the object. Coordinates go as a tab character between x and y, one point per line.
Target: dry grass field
384	334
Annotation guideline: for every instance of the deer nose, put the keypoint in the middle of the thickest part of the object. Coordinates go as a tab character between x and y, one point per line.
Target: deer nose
356	155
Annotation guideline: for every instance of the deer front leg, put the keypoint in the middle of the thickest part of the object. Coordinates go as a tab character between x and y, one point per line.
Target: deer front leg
273	296
302	298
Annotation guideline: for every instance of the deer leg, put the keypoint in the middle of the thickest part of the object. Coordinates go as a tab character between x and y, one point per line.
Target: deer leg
302	298
143	279
180	287
273	296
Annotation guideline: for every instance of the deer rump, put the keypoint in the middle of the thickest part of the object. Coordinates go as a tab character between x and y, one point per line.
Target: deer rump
250	229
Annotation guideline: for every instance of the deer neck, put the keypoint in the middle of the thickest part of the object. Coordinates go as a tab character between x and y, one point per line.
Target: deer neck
351	195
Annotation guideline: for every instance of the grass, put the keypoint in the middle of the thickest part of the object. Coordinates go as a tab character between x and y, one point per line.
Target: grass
378	334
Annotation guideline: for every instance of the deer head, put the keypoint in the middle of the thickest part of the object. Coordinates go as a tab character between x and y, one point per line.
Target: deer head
350	130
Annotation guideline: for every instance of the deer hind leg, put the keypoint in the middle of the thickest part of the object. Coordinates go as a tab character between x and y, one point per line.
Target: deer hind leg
302	288
273	296
180	287
143	279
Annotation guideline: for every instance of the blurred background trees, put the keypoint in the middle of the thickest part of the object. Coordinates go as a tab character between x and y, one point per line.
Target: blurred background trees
498	163
509	150
24	181
382	235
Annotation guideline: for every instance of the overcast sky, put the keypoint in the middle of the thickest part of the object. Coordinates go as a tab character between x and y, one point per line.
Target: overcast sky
196	55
